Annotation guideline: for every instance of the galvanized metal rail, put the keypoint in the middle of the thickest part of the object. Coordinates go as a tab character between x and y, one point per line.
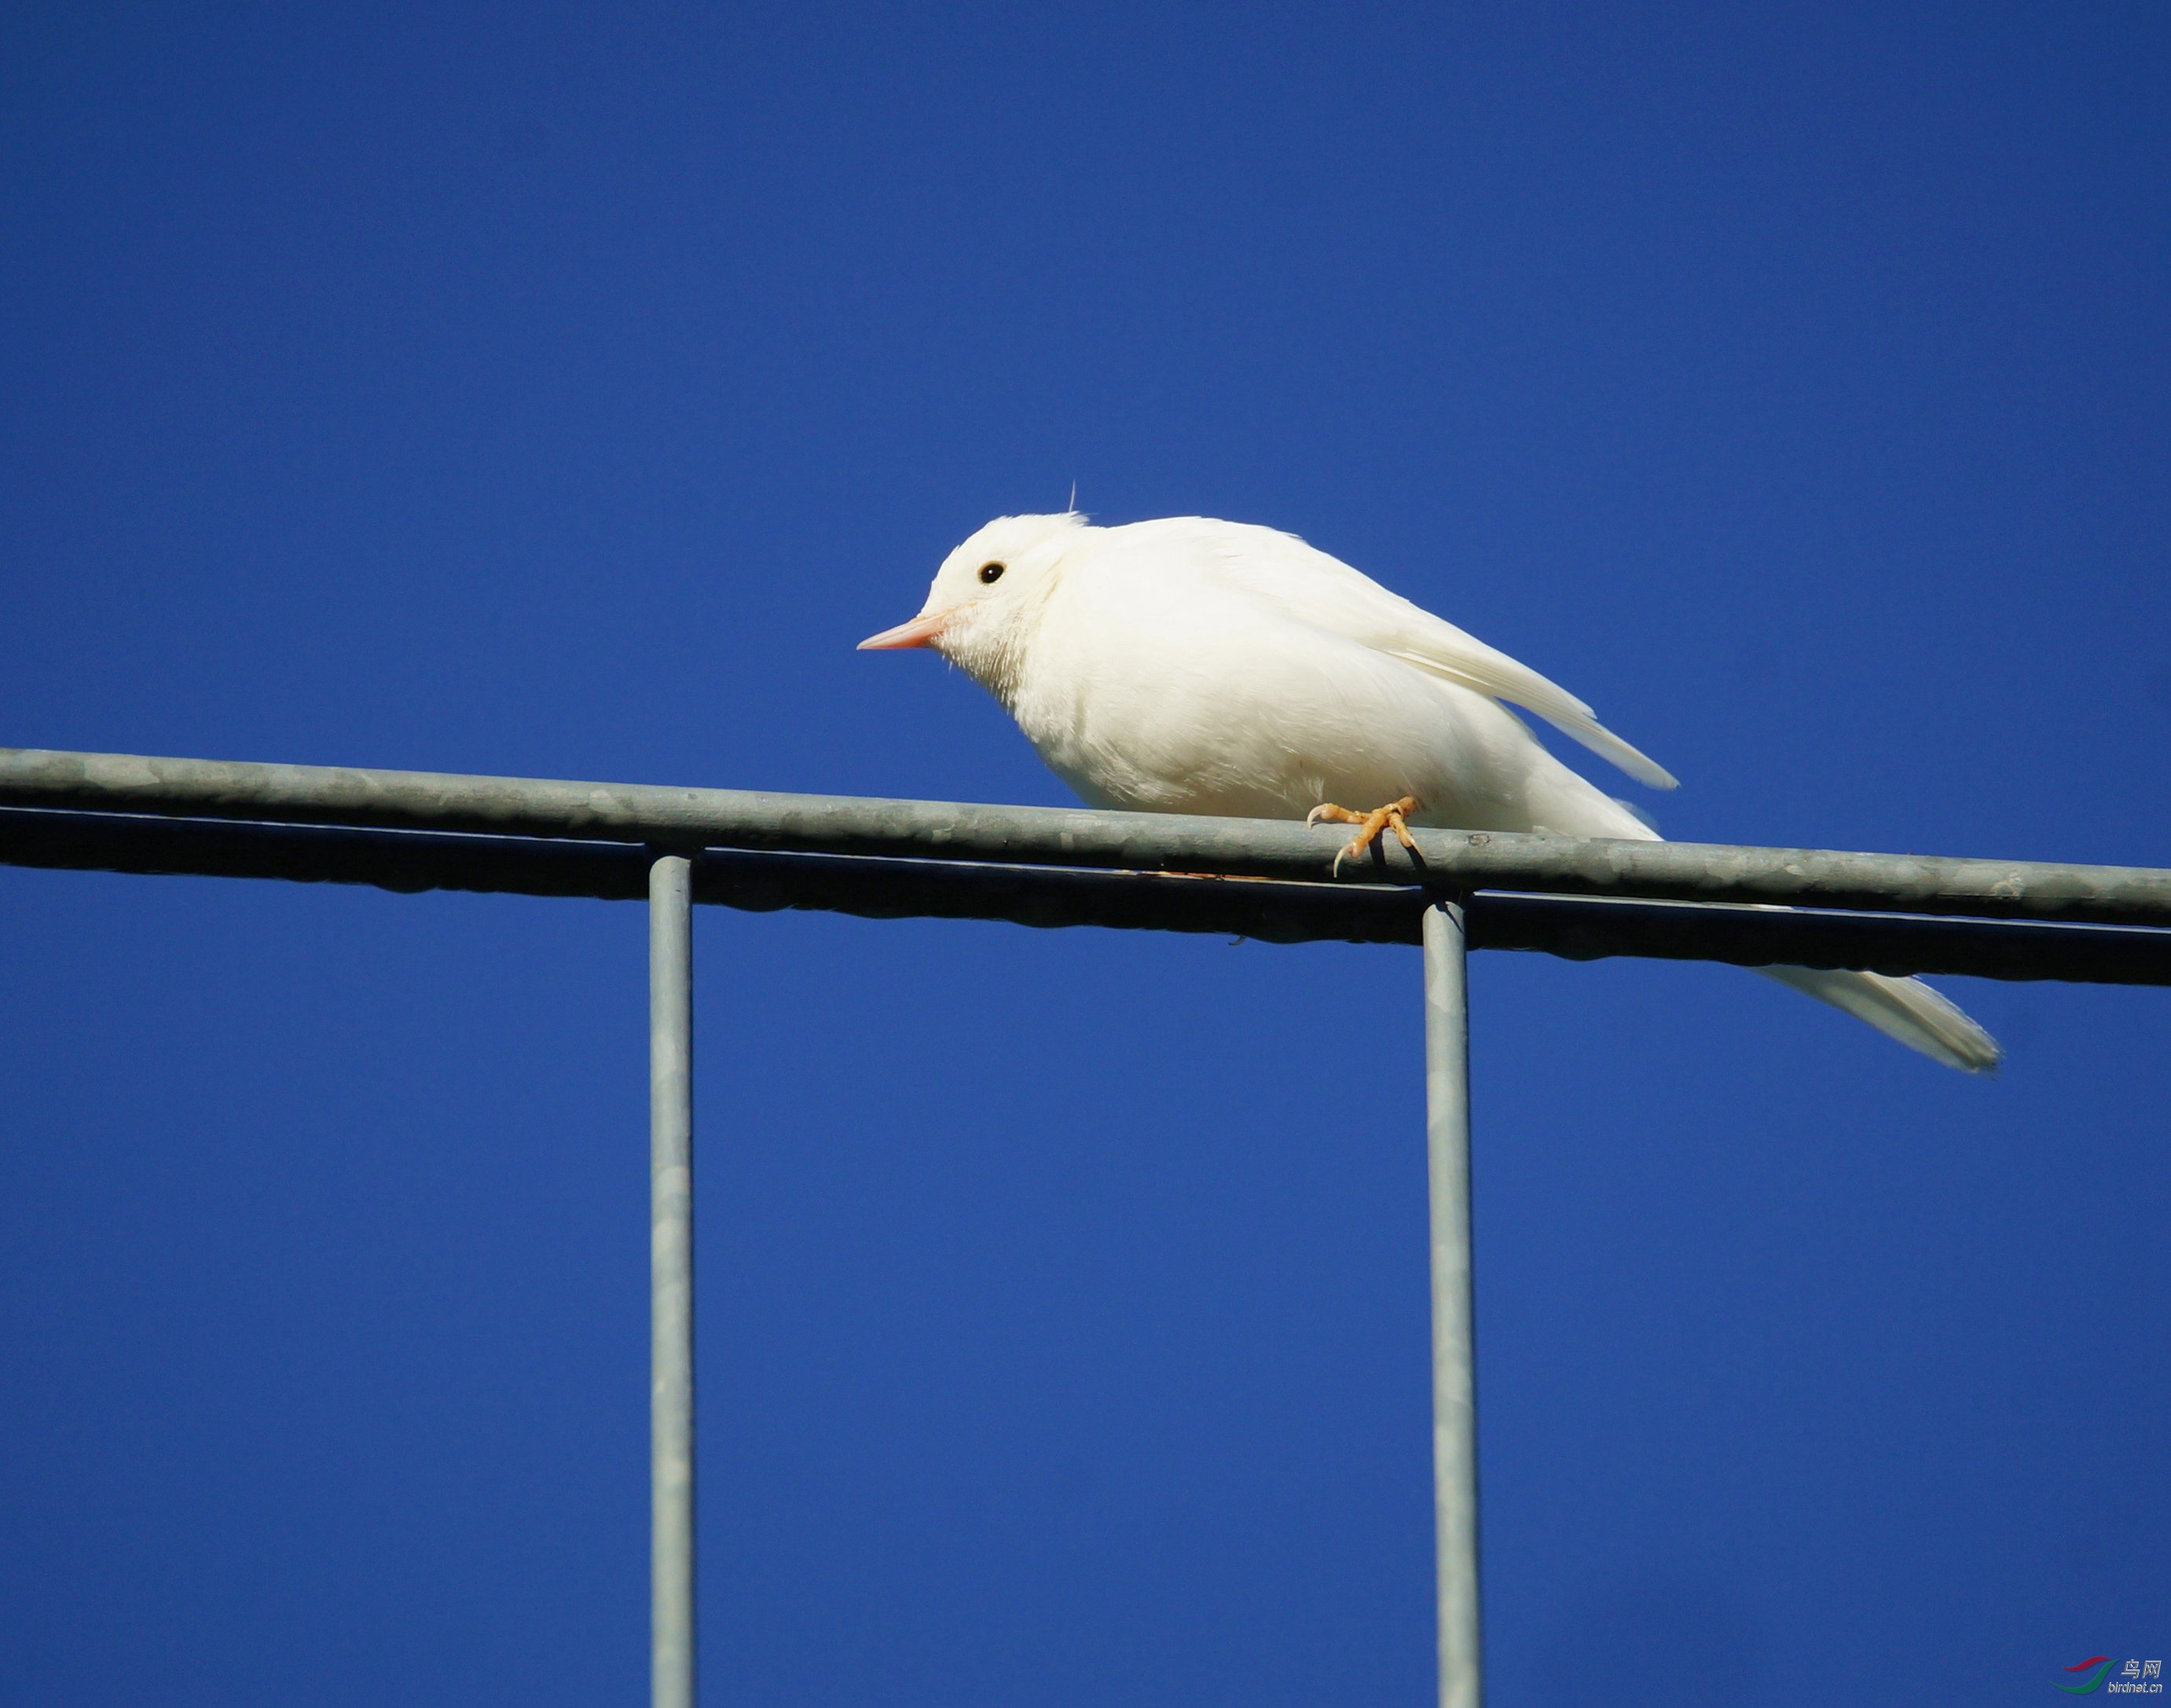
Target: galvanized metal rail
1268	879
619	812
409	831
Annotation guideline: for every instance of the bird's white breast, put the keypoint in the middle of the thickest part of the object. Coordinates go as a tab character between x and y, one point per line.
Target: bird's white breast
1155	683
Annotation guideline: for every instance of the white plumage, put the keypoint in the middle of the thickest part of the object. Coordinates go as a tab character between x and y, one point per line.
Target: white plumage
1195	665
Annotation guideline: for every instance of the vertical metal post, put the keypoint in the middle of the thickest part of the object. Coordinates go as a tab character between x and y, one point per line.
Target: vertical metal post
671	1279
1454	1363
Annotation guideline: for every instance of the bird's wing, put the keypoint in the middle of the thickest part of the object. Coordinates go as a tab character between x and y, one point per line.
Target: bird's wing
1328	594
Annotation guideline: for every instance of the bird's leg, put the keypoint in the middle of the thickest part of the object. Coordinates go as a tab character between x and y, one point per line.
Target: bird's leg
1369	826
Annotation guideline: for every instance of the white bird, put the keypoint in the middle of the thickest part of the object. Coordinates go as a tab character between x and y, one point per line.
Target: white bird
1195	665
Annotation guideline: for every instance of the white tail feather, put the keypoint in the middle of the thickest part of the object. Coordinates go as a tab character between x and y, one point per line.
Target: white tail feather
1905	1008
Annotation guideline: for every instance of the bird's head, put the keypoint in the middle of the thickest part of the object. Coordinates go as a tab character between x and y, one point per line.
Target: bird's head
986	598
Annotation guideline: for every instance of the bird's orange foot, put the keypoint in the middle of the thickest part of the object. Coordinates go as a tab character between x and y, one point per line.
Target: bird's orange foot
1369	826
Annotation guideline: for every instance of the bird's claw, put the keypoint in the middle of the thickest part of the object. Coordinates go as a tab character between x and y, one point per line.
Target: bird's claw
1369	825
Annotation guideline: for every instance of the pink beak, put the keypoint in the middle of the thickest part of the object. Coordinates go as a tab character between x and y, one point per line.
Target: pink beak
919	632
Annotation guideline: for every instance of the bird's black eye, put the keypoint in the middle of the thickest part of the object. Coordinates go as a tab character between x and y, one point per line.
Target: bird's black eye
991	572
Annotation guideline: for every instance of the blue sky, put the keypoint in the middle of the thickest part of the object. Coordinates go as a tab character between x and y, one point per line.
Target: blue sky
562	392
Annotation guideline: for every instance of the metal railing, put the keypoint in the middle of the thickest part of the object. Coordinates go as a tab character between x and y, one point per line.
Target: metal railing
1272	879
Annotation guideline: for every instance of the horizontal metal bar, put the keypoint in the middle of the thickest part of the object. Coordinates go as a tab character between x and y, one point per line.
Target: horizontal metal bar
1577	928
1453	860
